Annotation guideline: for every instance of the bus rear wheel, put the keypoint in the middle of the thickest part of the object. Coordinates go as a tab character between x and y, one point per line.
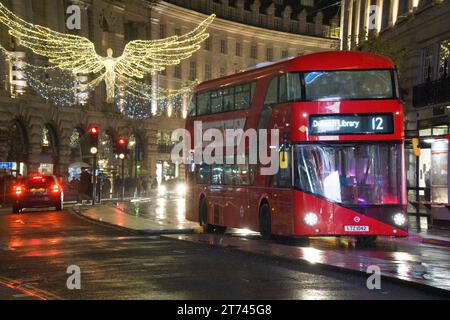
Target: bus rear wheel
203	216
265	225
366	241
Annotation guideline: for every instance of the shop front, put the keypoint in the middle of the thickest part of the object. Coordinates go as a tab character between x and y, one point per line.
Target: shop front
427	175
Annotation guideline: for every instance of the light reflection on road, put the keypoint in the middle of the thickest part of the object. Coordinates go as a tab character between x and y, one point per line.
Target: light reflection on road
405	258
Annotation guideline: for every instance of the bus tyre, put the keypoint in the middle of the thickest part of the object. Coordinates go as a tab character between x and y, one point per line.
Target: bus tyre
203	216
366	241
265	226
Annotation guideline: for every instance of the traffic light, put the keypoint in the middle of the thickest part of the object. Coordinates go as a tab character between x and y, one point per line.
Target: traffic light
122	145
93	139
416	146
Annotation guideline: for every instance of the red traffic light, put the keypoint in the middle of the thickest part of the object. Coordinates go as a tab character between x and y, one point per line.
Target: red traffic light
122	141
93	130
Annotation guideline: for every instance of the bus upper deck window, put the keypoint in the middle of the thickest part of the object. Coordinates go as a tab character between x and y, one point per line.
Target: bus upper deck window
294	86
203	103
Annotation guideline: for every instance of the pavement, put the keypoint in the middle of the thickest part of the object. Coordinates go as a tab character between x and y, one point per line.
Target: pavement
421	259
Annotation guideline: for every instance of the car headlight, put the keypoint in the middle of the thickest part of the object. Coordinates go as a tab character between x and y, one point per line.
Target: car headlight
311	219
399	219
162	190
181	189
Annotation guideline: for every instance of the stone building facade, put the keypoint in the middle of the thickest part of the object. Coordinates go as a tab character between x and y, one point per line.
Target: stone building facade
422	27
38	136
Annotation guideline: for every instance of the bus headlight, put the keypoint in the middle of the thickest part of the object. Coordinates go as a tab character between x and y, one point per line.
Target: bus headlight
181	189
311	219
399	219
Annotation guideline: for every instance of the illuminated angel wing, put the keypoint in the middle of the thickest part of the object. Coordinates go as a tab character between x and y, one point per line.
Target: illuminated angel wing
66	51
141	57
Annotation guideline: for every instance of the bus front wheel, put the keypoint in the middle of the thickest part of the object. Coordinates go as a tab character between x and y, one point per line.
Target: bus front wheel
265	226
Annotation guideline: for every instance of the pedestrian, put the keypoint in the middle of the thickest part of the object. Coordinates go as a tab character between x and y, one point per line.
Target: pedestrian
85	189
139	186
144	186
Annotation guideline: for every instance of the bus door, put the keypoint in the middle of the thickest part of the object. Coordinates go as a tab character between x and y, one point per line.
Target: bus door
281	200
316	183
237	179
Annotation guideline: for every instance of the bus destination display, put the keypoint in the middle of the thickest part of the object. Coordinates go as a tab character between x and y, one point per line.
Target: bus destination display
339	124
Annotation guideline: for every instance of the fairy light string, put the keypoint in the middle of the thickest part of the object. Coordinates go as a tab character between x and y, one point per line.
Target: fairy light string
77	54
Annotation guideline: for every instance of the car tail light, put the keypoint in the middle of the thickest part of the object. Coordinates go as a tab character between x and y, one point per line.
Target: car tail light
19	190
56	188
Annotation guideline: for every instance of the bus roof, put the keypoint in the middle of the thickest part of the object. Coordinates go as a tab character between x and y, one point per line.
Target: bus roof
328	60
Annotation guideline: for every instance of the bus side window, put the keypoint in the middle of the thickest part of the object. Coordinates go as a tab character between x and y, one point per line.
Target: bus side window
203	174
203	103
193	106
272	92
271	98
228	100
295	86
216	101
217	174
282	89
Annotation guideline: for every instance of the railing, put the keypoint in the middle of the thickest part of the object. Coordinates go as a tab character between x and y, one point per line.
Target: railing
432	92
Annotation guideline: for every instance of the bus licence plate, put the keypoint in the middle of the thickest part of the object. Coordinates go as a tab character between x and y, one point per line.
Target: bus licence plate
356	228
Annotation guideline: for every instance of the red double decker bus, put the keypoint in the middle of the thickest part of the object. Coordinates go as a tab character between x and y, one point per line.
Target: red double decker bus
340	122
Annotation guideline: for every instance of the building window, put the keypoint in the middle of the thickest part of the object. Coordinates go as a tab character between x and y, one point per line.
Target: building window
223	46
269	54
223	71
444	57
162	31
254	51
385	15
208	72
277	23
193	71
130	31
403	7
45	137
284	54
208	44
177	71
428	58
238	49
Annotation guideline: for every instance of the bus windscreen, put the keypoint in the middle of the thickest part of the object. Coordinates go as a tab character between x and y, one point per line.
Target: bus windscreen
347	85
357	174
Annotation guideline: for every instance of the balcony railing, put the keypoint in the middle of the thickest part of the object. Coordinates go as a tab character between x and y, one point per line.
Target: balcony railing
431	93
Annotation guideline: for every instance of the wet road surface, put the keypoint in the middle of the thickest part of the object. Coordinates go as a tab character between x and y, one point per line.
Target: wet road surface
37	247
403	257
